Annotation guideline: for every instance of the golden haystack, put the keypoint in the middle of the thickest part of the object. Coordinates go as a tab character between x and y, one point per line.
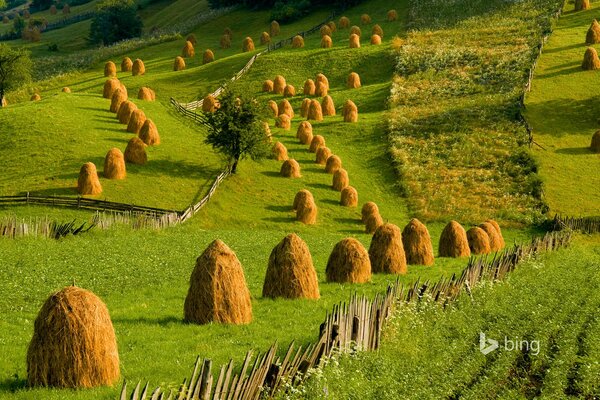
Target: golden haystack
344	22
209	103
353	81
325	30
498	230
117	99
297	42
302	197
453	241
138	68
354	41
135	152
304	131
192	39
88	182
290	169
110	69
35	97
495	241
110	86
284	122
273	107
340	180
248	44
225	42
291	273
375	39
314	111
208	56
417	243
126	64
326	42
373	222
53	9
332	26
304	107
333	164
368	209
316	142
267	86
305	207
321	89
479	242
279	84
365	19
114	164
350	111
323	153
289	91
349	197
265	38
146	94
377	30
136	121
322	78
228	32
386	251
280	152
590	59
355	30
327	106
274	29
309	87
125	110
286	108
179	64
581	5
218	290
595	144
149	133
348	262
188	50
73	344
392	15
66	90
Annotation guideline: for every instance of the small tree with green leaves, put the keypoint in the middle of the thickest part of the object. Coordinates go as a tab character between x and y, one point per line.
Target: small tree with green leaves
15	69
236	129
115	20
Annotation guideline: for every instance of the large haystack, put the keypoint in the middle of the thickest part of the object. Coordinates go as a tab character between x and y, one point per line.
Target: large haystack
297	42
321	89
581	5
225	42
228	32
138	68
373	222
279	84
323	153
290	169
149	133
340	180
387	250
73	344
136	121
353	81
590	59
377	30
355	30
315	112
88	182
267	86
291	273
110	69
118	98
595	144
110	87
375	39
192	39
479	242
274	28
350	111
304	107
349	197
208	56
392	15
453	241
303	196
305	132
273	107
327	106
309	87
333	164
365	19
284	122
66	90
349	262
344	22
495	240
218	290
209	103
368	209
188	50
289	91
306	208
318	141
326	42
325	30
354	41
322	78
146	94
498	230
248	44
179	64
114	164
332	26
417	243
265	38
125	110
286	108
135	152
280	152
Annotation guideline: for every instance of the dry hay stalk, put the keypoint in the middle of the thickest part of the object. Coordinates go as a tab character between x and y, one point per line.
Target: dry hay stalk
110	69
316	142
66	90
117	99
365	19
340	180
289	91
192	39
353	81
290	169
208	56
188	50
344	22
348	262
387	250
136	121
417	243
333	164
35	97
581	5
326	42
332	26
280	152
350	111
291	273
88	182
367	209
595	144
323	153
279	84
354	41
306	210
209	104
325	30
273	107
392	15
349	197
322	78
355	30
114	164
375	39
179	64
248	44
495	240
286	108
146	94
321	89
453	241
373	222
284	122
305	132
275	29
135	152
377	30
309	87
265	38
315	112
479	242
304	107
327	106
225	42
267	86
302	197
110	87
590	59
297	42
73	343
149	134
138	68
125	110
218	290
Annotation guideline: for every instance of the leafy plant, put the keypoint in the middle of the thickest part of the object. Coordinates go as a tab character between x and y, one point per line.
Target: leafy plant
115	20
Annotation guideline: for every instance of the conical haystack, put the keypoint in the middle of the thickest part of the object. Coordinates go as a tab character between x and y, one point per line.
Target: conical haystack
317	142
354	41
35	97
279	84
73	344
286	108
355	30
392	15
88	182
117	99
297	42
309	87
365	19
315	112
377	30
289	91
417	243
280	152
327	106
325	30
208	56
188	50
265	38
179	64
350	111
110	87
479	242
248	44
290	169
353	81
373	222
581	5
375	39
302	197
595	144
304	132
291	273
114	164
321	89
126	64
496	243
209	104
322	78
135	152
267	86
333	164
590	59
349	197
340	180
304	107
218	290
368	209
66	90
147	94
138	68
273	107
349	262
125	110
136	121
453	241
323	153
387	251
110	69
149	134
344	23
326	42
192	39
305	207
274	29
332	26
228	32
284	122
225	42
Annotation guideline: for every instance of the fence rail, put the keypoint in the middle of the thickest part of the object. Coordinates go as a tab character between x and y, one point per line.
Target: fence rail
583	224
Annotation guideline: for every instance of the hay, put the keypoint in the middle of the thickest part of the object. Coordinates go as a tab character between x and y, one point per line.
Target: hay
286	108
392	15
326	42
265	38
495	241
453	241
417	243
280	152
267	86
595	144
377	30
309	87
146	94
349	197
333	164
179	64
218	290
355	30
279	84
350	111
110	86
321	89
110	69
35	97
323	153
248	44
188	50
73	343
332	26
368	209
386	251
66	90
66	9
136	121
284	122
305	207
225	42
208	56
126	64
125	111
365	19
581	5
498	230
322	78
289	91
344	22
149	133
373	222
291	273
274	28
302	197
135	152
305	132
304	108
327	106
114	164
376	39
348	262
354	41
316	142
340	180
117	99
290	169
590	59
53	9
297	42
273	107
314	111
88	182
353	81
209	103
228	32
479	242
325	30
138	68
192	39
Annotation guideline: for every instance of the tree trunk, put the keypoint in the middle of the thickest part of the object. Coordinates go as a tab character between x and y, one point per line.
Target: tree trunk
234	165
1	97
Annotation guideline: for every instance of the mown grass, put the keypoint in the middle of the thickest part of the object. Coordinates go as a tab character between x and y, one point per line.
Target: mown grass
567	165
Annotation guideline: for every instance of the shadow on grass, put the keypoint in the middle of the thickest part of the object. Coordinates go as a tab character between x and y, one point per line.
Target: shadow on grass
567	69
564	116
319	185
351	221
62	191
576	151
163	321
279	208
272	174
13	384
278	219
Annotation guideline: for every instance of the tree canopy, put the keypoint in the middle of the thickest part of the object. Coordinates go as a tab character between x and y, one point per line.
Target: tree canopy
15	68
115	20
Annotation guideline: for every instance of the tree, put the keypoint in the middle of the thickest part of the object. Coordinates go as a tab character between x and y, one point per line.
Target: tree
115	20
15	69
39	5
236	129
19	25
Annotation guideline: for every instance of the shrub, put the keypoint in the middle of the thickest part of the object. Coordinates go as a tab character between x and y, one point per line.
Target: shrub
115	20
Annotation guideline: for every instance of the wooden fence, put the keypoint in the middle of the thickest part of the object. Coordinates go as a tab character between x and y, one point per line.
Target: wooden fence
583	224
13	227
350	327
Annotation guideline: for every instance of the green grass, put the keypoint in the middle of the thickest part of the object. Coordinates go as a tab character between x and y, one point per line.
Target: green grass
562	110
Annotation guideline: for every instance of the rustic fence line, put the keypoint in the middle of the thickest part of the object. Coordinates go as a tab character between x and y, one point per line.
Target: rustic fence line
350	327
52	26
583	224
12	227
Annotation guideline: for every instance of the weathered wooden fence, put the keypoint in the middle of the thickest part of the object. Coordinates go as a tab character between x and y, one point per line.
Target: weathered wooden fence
583	224
13	227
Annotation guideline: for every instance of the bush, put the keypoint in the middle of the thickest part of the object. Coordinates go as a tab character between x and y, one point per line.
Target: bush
114	21
39	5
289	10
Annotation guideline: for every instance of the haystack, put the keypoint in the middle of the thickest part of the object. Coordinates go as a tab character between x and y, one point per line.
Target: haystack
192	39
340	180
110	69
581	5
354	41
327	106
595	145
349	197
392	15
302	197
316	142
275	29
290	169
355	30
73	343
228	32
373	222
325	30
291	273
279	84
265	38
304	107
147	94
495	241
323	153
353	81
280	152
136	121
348	262
117	99
333	164
286	108
88	182
321	89
267	86
326	42
322	78
66	90
315	112
35	97
498	230
368	209
284	122
179	64
273	107
350	111
209	103
305	207
590	59
218	290
5	19
248	44
453	241
332	26
149	133
386	251
208	56
309	87
138	68
125	110
417	243
110	86
66	9
377	30
135	152
289	91
344	22
375	39
225	42
479	242
188	50
304	132
297	42
114	164
365	19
